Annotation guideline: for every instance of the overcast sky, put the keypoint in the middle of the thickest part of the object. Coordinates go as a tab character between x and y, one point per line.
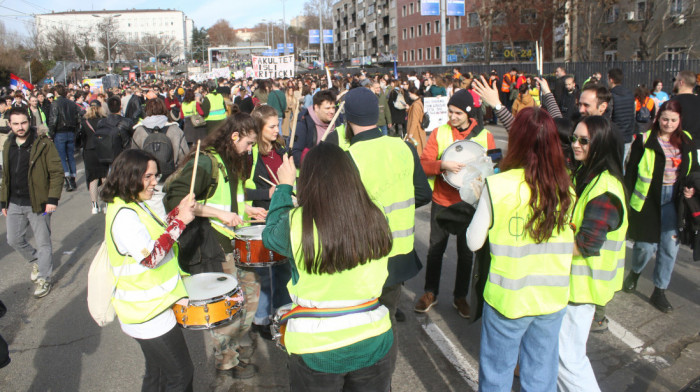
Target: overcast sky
16	14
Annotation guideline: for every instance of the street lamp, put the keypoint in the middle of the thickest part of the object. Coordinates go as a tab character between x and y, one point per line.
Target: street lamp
284	29
267	31
107	31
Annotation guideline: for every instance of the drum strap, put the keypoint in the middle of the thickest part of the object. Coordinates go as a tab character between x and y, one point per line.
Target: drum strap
302	312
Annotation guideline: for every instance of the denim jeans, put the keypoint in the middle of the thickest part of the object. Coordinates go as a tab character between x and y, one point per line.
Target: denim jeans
374	378
575	371
65	144
667	247
384	129
273	291
438	244
19	218
168	363
535	338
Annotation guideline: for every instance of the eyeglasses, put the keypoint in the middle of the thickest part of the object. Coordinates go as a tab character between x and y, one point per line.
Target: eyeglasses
581	140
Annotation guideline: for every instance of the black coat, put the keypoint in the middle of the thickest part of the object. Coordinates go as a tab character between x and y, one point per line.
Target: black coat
645	225
64	116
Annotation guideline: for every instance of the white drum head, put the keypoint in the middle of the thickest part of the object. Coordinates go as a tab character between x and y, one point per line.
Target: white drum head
209	285
464	151
250	232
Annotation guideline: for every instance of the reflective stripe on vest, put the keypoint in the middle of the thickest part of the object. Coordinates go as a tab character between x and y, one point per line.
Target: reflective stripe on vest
217	110
444	139
355	286
142	293
221	199
646	172
386	171
189	108
595	279
525	278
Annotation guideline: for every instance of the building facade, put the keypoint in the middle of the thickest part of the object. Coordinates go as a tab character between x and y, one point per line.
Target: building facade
172	26
365	31
513	35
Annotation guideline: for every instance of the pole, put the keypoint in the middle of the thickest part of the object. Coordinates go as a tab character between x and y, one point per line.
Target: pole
109	52
320	32
29	65
443	34
155	53
272	33
284	29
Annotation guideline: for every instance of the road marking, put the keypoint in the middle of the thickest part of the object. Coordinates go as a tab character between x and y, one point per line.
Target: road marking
450	351
636	344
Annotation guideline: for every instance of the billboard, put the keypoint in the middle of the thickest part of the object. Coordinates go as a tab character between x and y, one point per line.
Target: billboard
314	37
430	7
327	36
455	7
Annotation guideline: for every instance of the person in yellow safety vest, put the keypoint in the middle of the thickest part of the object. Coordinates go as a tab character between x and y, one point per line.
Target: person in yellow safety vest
657	172
221	199
213	107
600	224
266	159
338	336
531	247
462	125
391	172
143	253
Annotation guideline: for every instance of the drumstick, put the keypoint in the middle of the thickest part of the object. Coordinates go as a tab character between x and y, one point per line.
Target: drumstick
294	129
274	177
194	168
267	181
254	221
331	125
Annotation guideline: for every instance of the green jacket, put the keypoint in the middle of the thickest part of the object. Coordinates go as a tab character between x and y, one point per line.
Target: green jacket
278	100
384	111
45	173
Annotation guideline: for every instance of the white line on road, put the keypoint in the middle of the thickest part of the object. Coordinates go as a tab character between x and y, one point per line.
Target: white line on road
450	351
636	343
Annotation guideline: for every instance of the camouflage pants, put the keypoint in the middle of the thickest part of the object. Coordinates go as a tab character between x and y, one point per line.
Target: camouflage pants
230	337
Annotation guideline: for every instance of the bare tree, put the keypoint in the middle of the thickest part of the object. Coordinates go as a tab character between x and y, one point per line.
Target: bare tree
221	33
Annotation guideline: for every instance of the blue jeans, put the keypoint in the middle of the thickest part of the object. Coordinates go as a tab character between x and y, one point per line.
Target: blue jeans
65	144
384	129
575	371
273	291
535	338
667	247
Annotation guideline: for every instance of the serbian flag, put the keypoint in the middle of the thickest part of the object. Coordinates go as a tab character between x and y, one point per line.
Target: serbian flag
18	83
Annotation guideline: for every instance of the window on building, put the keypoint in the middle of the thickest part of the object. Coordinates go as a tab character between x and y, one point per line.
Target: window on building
528	16
612	14
676	53
420	30
412	35
403	10
420	54
413	55
427	28
437	52
458	22
405	53
641	10
427	53
447	24
437	27
610	55
499	18
392	23
473	19
676	7
403	35
410	9
392	4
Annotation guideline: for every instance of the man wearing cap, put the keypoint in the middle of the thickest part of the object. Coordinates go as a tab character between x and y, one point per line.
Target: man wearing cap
397	185
461	126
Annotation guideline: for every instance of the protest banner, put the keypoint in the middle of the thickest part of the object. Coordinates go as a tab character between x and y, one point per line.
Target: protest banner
436	108
273	67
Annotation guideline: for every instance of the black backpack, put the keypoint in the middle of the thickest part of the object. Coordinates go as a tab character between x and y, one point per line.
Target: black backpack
108	141
426	121
643	115
158	144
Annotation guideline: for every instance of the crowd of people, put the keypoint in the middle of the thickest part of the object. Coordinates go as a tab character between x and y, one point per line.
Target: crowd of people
584	168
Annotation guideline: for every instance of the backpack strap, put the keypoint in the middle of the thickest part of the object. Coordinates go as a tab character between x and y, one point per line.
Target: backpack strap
215	167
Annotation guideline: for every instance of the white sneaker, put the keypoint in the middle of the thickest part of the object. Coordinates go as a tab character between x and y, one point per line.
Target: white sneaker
35	272
42	288
95	209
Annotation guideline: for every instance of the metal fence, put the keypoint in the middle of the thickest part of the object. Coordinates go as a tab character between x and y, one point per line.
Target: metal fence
635	72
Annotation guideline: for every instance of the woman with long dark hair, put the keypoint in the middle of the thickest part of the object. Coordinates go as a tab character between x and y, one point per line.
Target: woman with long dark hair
338	335
218	188
414	128
600	224
524	211
660	161
143	252
95	172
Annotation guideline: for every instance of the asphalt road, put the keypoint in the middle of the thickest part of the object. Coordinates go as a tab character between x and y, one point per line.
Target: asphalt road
56	346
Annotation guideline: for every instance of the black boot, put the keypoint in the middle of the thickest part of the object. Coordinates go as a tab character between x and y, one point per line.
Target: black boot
630	283
72	183
658	299
66	184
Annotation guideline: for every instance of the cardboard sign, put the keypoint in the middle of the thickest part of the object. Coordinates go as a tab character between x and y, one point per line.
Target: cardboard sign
436	108
273	67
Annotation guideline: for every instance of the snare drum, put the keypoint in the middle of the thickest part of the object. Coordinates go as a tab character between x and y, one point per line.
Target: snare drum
463	151
248	249
277	328
214	300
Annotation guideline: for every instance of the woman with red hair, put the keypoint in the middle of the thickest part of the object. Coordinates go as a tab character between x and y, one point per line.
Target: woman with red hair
525	212
660	161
